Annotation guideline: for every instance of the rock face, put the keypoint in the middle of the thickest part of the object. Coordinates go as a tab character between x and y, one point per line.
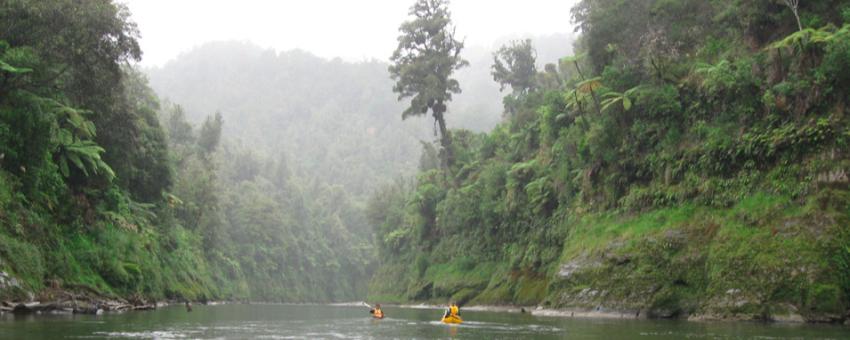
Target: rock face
7	281
12	289
689	272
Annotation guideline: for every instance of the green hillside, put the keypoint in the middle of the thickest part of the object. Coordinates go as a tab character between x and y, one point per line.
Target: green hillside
105	190
679	165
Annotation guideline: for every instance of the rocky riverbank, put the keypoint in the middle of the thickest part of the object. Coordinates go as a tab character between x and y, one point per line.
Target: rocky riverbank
66	302
58	299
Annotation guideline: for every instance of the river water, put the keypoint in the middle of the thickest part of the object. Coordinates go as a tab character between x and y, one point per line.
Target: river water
274	321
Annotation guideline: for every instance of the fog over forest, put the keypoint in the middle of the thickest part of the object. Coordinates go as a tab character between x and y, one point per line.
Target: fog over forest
297	104
624	158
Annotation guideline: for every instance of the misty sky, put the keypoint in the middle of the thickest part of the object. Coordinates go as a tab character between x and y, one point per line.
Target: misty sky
351	29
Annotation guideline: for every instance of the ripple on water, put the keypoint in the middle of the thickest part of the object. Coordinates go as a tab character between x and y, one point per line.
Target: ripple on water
145	335
501	327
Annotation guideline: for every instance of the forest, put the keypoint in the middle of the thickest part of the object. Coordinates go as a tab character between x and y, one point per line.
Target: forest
657	162
106	188
674	166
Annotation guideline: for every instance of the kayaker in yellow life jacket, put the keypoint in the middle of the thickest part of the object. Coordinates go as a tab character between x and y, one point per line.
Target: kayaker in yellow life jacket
452	314
376	312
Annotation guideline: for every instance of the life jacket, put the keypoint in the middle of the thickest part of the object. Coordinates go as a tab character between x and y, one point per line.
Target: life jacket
379	314
453	310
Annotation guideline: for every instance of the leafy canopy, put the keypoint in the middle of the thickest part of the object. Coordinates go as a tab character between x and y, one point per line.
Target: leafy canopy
513	65
426	56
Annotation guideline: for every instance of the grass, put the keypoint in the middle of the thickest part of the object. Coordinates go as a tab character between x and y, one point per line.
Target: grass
594	232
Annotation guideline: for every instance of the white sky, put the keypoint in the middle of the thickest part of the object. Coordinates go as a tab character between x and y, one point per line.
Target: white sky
351	29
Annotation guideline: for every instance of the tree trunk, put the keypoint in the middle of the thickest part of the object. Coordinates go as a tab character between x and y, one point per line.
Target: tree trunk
596	101
797	16
447	158
593	95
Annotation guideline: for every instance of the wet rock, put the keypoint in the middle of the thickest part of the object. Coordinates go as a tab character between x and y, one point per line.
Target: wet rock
92	310
663	313
569	269
32	307
9	285
22	309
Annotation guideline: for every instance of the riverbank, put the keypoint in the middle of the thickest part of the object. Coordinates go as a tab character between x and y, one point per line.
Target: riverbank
686	262
60	301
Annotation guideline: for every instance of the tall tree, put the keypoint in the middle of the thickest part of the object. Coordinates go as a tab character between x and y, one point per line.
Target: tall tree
210	134
513	65
423	63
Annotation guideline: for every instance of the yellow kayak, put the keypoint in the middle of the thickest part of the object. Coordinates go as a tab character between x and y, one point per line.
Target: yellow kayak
452	319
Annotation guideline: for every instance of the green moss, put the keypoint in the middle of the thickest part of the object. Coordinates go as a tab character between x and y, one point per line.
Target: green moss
23	260
593	233
529	290
826	299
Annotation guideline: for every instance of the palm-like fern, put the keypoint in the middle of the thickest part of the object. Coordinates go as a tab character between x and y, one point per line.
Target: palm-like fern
715	78
808	37
73	137
613	98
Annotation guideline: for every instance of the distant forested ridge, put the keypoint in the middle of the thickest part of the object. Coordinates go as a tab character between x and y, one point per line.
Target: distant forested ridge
332	121
678	165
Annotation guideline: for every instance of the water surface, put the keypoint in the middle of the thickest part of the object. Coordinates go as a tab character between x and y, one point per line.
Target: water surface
273	321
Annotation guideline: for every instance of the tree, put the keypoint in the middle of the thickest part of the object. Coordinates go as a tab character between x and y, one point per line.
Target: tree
137	147
86	42
426	56
73	135
210	134
178	129
83	48
513	65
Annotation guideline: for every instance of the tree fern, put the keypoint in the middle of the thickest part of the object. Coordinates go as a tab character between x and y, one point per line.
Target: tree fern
74	145
715	78
807	38
612	98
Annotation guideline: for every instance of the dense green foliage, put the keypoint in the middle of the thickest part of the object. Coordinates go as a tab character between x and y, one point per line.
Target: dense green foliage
104	190
669	169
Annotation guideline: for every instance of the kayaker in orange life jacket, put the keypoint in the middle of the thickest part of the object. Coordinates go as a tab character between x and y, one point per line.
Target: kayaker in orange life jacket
376	312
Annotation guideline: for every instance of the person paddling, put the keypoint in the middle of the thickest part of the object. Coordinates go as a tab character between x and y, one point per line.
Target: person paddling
452	314
376	311
452	310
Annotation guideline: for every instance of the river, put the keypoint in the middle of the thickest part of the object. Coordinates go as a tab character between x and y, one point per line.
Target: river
275	321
